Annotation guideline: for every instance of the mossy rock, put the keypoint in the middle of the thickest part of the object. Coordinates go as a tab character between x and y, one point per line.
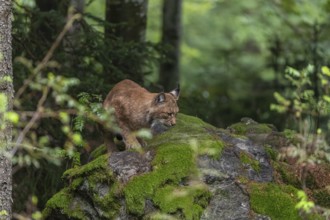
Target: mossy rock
173	186
85	182
247	159
175	163
192	131
244	128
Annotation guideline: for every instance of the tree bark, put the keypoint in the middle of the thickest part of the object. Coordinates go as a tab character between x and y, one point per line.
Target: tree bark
44	28
6	87
171	34
126	19
71	40
126	23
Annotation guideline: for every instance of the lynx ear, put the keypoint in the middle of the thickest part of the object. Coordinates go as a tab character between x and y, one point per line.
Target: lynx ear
160	98
176	92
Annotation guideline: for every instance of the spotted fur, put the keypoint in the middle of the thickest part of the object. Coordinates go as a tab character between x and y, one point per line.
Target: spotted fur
136	108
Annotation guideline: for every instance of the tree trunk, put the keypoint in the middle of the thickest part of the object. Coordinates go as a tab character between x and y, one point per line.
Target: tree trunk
171	34
71	40
127	19
126	23
6	87
44	28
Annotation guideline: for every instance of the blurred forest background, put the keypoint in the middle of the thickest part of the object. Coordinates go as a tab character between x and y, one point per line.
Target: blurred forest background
229	57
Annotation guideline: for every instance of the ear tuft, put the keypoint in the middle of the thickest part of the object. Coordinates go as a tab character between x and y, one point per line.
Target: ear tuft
176	92
160	98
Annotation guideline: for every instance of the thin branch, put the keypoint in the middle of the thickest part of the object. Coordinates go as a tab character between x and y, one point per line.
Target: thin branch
48	55
33	120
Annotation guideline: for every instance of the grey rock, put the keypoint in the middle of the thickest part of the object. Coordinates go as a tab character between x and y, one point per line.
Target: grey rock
126	164
229	201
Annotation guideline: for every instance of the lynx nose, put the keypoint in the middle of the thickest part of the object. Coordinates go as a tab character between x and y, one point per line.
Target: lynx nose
173	122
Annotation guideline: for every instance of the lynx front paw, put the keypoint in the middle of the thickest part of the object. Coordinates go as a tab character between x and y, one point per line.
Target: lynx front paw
136	146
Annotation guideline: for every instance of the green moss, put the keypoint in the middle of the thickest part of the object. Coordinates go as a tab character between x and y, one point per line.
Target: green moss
109	203
99	151
191	130
246	158
242	128
171	164
276	201
100	163
76	183
63	201
271	152
96	172
190	200
175	162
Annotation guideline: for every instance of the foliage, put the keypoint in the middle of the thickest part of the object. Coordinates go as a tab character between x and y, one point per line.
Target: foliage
233	53
304	204
307	111
227	73
309	106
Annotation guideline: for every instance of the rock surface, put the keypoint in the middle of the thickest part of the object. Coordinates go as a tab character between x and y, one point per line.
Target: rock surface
193	171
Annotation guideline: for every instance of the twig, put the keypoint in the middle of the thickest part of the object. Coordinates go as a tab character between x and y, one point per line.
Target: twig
33	120
48	55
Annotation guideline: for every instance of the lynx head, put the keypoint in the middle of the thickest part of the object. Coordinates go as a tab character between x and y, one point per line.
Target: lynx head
163	111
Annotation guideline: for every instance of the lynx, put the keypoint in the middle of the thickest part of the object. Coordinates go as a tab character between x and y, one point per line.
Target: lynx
136	108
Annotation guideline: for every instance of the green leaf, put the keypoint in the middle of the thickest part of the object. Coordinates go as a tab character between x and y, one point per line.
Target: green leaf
34	200
66	129
77	139
13	117
64	117
79	123
281	100
3	213
326	98
325	70
293	72
37	215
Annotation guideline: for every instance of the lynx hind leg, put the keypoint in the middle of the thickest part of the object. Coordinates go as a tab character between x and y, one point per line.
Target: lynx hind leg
110	143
